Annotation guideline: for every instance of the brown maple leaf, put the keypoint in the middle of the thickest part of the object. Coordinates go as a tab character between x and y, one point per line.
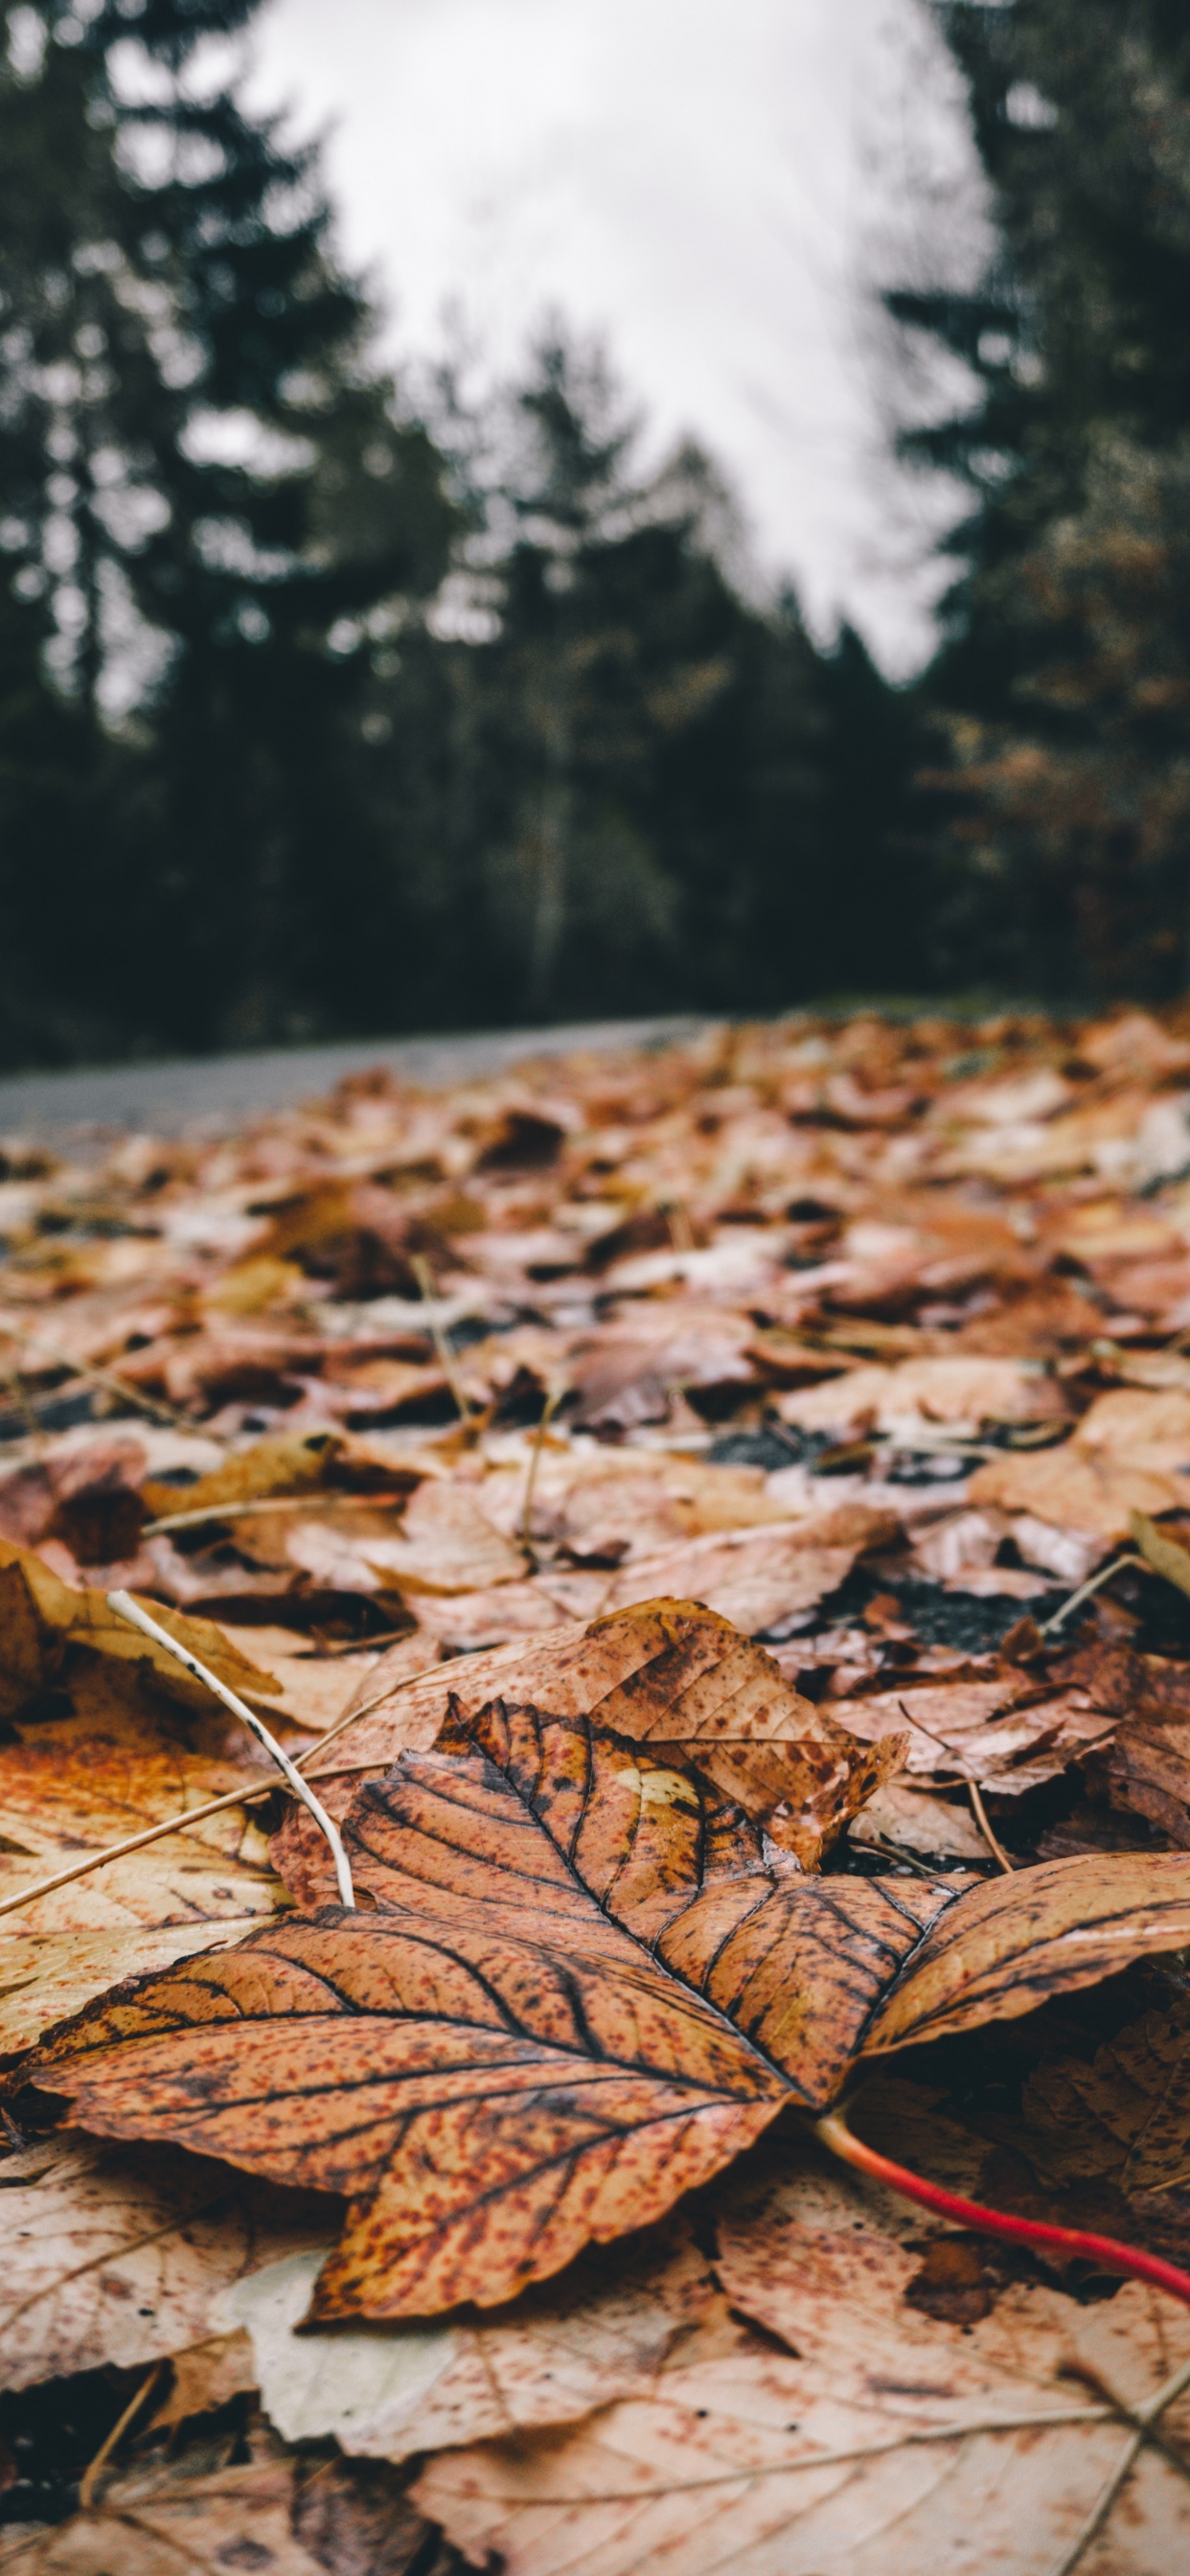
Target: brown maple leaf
579	1992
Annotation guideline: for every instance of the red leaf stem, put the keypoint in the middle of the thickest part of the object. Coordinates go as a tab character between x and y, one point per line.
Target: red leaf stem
1129	2259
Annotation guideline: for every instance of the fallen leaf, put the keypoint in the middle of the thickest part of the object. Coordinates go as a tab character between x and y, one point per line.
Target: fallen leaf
1097	1493
615	2075
1016	1941
667	1671
911	1820
90	1778
1125	2116
1009	1733
853	2431
788	1764
609	2084
289	1463
280	2517
1161	1552
109	2255
40	1617
964	1393
756	1578
449	1545
47	1976
604	2331
205	2376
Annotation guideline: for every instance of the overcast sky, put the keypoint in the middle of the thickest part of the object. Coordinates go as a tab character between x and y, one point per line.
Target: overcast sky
707	184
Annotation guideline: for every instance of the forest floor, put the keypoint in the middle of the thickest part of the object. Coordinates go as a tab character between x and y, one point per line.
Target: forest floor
708	1525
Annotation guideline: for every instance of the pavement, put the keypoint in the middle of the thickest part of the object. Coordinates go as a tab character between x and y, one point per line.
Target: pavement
208	1095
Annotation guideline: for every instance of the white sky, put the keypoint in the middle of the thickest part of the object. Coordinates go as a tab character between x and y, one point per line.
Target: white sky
704	183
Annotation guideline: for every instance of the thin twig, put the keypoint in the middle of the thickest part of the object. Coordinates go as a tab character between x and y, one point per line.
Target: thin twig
316	1500
979	1811
127	1608
110	1383
1119	1565
91	2474
190	1816
884	1849
974	1792
446	1358
1146	2415
548	1411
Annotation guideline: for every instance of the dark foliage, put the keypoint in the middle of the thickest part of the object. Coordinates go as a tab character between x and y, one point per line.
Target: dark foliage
1063	696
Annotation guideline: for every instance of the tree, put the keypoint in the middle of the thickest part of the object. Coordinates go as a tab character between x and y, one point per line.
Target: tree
642	746
1067	863
221	501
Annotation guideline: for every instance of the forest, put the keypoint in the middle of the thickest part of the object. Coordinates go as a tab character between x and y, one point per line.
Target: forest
328	711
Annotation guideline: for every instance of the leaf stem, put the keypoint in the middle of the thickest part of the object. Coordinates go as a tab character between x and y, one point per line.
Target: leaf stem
834	2133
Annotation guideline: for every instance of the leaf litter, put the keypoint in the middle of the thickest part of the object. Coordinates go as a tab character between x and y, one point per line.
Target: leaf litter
728	1511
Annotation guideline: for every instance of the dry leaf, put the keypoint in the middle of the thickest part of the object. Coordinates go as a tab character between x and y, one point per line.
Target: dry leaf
40	1617
758	1579
286	1464
604	2331
47	1976
108	2254
639	1994
963	1392
279	2517
449	1545
880	2441
1162	1552
1125	2116
778	1221
911	1820
115	1764
1097	1493
1018	1940
205	2376
669	1671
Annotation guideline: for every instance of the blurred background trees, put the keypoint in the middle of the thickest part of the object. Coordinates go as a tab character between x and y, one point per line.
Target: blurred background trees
322	713
1061	697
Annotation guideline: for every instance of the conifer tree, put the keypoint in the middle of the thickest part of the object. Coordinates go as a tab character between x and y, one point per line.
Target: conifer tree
218	496
1066	683
644	744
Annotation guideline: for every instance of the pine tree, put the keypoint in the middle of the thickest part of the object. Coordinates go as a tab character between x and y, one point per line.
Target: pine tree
224	505
643	745
1063	688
